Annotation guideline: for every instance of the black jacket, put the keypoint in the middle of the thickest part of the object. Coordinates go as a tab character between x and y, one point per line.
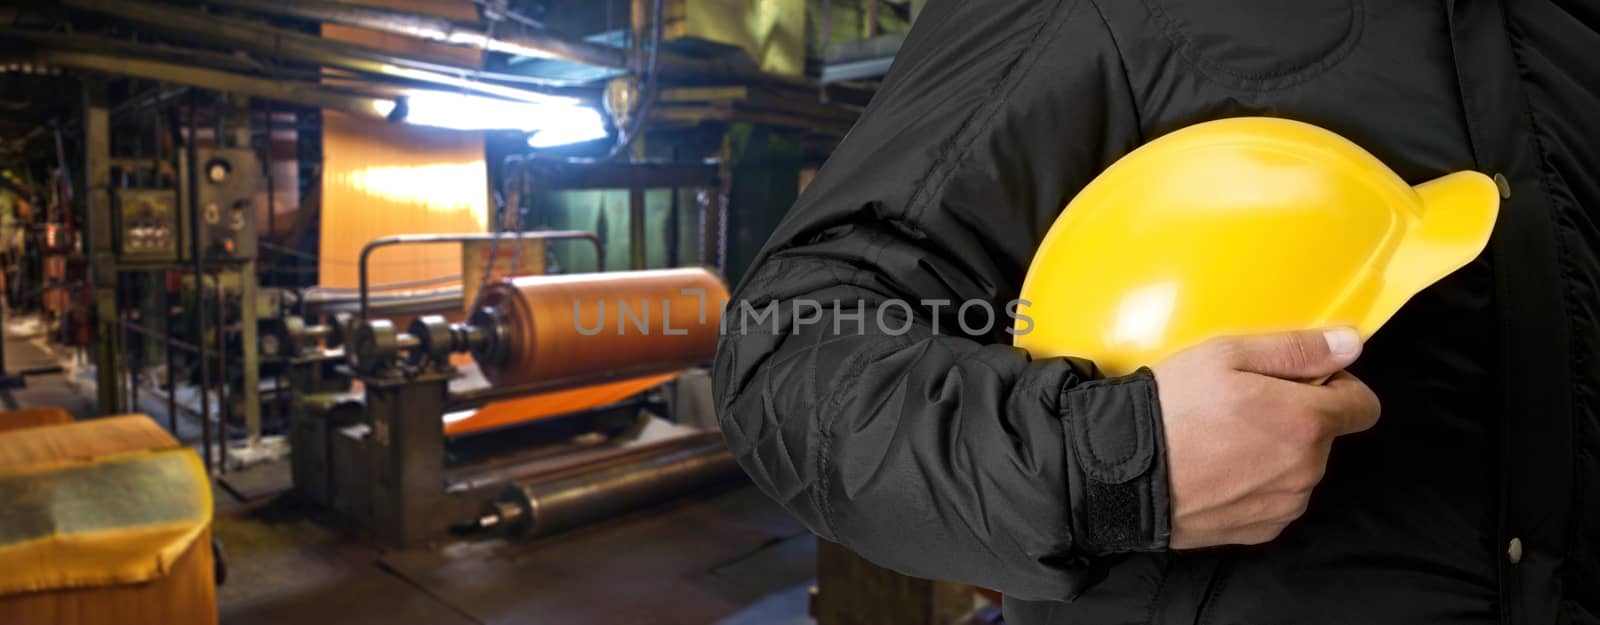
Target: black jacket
946	455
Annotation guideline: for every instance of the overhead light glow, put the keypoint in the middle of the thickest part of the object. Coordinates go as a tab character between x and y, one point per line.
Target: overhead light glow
577	124
477	40
501	91
470	112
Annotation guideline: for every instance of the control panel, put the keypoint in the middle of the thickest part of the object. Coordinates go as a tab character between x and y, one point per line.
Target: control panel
225	196
151	227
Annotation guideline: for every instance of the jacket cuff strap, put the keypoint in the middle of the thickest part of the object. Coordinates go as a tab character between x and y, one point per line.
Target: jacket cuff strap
1117	465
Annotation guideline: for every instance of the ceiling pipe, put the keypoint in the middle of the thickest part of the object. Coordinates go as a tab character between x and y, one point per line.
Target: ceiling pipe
438	30
523	43
301	47
304	94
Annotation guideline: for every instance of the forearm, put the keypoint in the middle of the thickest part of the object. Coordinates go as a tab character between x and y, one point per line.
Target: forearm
941	456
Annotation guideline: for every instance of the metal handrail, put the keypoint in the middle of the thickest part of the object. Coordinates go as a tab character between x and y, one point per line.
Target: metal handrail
411	239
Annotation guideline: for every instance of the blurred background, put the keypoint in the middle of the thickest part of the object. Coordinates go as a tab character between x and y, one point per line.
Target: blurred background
295	298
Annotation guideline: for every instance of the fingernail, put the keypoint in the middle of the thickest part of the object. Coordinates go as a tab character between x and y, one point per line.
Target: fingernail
1342	342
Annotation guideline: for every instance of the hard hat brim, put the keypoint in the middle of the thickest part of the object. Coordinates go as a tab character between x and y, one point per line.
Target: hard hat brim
1458	215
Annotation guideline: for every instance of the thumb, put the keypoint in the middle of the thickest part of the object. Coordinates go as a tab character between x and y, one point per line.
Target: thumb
1303	355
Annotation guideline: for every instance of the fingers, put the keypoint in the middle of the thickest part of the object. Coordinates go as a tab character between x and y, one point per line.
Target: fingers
1304	355
1342	405
1347	404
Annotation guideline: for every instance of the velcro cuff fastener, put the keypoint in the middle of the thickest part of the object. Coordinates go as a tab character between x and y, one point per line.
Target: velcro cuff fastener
1116	461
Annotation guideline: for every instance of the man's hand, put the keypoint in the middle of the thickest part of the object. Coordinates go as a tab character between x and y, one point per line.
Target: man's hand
1248	436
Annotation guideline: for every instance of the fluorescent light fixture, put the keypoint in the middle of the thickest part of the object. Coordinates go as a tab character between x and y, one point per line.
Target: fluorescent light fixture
383	107
575	125
500	91
460	111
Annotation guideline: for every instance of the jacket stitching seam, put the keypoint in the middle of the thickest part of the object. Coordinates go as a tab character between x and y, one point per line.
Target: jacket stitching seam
825	448
1122	62
726	402
960	145
823	342
1019	68
819	493
1261	82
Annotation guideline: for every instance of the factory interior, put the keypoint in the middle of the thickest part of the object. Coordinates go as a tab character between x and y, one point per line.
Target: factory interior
308	309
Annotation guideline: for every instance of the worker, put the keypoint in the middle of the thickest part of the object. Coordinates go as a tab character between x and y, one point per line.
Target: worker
1217	486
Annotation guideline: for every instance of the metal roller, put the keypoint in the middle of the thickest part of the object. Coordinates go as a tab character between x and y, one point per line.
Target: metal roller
545	333
341	327
540	328
290	336
544	506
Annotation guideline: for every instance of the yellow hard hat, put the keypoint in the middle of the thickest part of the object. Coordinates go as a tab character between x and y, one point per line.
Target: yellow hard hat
1242	226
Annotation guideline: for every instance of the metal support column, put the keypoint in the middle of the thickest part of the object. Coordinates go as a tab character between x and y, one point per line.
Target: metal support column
224	397
636	230
166	346
250	352
109	395
407	446
240	121
674	228
189	171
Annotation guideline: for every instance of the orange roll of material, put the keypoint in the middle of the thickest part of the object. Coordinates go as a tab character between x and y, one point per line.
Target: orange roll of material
552	404
598	326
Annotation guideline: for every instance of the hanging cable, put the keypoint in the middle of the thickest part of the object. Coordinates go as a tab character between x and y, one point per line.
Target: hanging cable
628	133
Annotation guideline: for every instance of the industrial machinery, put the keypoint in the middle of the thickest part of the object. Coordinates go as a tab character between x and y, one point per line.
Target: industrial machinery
518	326
305	356
224	199
182	291
581	398
549	503
151	225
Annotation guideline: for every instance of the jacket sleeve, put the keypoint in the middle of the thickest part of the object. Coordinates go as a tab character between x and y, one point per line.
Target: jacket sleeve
857	381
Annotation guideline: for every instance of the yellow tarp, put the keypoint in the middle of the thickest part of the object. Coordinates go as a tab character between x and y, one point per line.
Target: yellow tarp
80	512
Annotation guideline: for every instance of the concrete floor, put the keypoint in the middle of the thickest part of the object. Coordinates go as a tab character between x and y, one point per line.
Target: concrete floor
25	349
727	558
